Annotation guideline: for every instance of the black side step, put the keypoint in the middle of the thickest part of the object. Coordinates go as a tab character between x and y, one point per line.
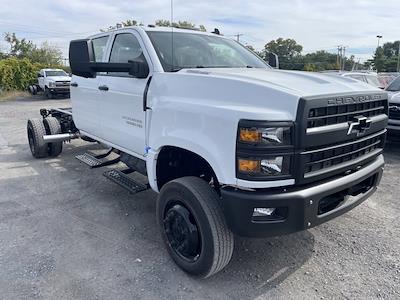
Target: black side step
125	181
95	162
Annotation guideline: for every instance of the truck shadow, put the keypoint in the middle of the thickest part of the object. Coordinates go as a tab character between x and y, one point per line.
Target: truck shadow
392	151
259	265
40	97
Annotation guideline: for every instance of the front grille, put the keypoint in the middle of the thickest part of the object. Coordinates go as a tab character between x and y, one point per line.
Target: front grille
330	115
316	161
327	146
394	111
62	83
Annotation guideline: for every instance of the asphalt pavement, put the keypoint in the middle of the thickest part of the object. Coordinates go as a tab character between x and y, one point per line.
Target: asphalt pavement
66	232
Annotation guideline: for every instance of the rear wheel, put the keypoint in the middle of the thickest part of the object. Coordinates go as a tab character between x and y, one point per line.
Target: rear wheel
36	131
193	226
53	126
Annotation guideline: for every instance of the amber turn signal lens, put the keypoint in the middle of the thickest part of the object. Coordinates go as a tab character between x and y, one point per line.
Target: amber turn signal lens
250	135
249	166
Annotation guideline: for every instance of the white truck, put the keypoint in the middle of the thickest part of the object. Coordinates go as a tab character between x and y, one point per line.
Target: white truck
52	82
231	145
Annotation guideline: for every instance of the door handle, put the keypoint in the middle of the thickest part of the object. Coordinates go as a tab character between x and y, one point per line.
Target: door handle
74	84
103	88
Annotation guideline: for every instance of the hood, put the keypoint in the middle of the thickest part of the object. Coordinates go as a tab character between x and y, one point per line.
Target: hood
59	78
293	82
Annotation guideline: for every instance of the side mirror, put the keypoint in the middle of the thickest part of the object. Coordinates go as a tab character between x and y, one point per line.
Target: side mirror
273	60
82	62
39	75
139	68
81	55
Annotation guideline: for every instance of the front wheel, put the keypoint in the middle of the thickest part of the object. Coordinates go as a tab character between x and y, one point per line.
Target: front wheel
48	94
193	226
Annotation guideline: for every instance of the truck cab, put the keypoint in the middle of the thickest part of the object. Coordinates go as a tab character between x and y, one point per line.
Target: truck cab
231	145
53	82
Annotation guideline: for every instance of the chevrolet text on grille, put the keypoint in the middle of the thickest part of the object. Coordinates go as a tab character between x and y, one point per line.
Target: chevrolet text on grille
353	100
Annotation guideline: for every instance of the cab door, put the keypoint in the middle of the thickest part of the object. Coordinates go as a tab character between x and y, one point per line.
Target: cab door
85	95
123	118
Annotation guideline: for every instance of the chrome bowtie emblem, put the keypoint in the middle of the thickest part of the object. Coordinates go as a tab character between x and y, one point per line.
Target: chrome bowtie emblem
359	125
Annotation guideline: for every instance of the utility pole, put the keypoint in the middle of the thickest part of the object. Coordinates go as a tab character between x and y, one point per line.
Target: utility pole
238	36
338	55
398	59
379	38
344	58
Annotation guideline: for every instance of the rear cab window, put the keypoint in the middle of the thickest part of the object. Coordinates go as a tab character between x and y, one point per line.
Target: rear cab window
99	48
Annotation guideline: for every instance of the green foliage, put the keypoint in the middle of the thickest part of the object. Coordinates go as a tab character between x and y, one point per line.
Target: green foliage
19	67
129	23
22	48
386	57
287	49
179	24
18	74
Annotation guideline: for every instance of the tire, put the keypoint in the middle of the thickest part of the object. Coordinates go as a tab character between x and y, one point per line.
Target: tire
31	90
193	226
48	94
36	131
53	126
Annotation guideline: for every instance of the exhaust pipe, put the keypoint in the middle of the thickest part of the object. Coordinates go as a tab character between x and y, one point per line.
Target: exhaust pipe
60	137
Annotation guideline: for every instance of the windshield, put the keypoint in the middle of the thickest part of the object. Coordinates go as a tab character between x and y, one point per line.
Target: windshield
56	73
192	50
394	86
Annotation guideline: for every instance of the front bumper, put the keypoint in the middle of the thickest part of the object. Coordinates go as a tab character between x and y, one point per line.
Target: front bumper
301	205
59	90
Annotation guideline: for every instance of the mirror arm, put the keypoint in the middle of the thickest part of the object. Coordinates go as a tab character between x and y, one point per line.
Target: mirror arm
110	67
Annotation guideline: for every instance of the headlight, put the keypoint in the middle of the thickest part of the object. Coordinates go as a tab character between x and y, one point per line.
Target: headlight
52	84
264	150
268	136
269	166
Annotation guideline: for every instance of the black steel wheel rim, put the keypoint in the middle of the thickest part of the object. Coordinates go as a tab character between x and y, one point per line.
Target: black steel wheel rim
182	232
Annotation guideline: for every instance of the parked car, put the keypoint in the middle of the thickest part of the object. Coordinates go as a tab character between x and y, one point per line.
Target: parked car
51	82
393	87
386	78
370	78
367	77
394	108
231	145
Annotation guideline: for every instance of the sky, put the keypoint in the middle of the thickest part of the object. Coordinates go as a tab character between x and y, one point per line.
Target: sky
315	24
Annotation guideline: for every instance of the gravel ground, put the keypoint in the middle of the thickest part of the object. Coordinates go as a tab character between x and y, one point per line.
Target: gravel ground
68	233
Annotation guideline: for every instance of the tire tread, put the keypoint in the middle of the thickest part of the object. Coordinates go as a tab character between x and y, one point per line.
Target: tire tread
223	236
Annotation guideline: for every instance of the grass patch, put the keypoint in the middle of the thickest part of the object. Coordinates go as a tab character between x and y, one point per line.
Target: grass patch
12	95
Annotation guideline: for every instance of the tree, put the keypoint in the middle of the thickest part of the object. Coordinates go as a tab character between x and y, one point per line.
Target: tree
286	49
129	23
179	24
22	48
379	59
19	48
251	48
202	28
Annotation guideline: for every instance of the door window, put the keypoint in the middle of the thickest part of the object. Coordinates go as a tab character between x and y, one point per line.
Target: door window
126	47
99	47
